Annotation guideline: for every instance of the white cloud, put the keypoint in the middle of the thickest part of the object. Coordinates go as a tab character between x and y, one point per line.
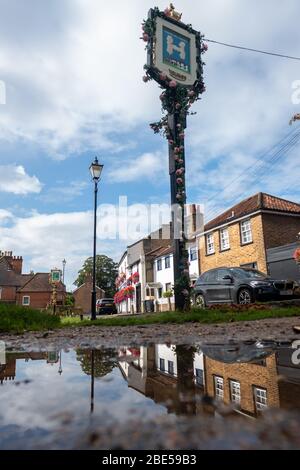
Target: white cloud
15	180
147	166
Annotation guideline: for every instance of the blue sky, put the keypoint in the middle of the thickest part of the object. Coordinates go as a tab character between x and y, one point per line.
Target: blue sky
73	77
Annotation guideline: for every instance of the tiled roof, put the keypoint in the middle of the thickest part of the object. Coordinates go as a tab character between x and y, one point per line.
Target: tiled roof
40	283
161	251
260	201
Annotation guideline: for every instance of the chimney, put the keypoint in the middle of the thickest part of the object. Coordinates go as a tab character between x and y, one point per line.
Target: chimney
16	263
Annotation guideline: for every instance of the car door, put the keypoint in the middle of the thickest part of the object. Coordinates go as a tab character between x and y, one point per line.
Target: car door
210	286
221	289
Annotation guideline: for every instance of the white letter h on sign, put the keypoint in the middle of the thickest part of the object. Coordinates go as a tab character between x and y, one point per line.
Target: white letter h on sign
172	47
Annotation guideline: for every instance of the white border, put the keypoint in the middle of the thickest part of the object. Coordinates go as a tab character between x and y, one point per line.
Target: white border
191	77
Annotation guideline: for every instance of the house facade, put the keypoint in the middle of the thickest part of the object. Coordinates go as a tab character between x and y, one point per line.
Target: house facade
28	290
242	235
82	296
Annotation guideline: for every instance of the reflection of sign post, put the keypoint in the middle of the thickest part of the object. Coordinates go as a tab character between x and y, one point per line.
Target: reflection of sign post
174	61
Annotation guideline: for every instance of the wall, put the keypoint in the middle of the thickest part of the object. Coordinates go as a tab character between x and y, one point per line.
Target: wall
8	294
237	254
165	276
248	375
280	229
82	296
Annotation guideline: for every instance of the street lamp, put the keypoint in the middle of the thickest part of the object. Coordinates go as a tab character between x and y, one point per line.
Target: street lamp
96	170
64	268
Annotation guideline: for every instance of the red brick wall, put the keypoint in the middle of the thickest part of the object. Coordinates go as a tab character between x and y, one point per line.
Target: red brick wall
8	294
280	229
39	300
82	297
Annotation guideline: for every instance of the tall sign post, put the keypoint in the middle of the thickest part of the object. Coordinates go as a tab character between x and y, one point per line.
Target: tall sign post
174	52
55	279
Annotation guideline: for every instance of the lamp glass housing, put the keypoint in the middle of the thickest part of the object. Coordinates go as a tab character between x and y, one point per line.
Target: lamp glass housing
96	170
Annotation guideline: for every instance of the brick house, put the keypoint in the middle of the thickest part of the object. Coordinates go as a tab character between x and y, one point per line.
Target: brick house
32	290
242	235
37	292
82	295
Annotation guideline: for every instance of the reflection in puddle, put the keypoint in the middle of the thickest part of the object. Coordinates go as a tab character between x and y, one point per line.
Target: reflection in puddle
40	391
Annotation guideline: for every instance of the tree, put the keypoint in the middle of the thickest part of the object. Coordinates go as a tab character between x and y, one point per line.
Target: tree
106	273
104	361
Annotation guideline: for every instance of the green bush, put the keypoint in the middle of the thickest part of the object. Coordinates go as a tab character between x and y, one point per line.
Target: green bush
18	319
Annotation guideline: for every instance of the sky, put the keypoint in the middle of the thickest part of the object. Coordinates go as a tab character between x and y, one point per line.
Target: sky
72	74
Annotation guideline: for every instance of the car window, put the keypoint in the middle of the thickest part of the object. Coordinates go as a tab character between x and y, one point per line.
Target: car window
221	273
208	277
246	273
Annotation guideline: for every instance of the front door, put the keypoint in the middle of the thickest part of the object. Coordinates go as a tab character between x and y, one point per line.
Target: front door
138	302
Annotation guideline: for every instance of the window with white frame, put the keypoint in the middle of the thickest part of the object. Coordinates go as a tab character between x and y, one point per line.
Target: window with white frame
199	377
210	245
224	239
261	399
159	265
171	367
168	287
193	254
26	300
219	387
162	365
246	232
235	391
167	262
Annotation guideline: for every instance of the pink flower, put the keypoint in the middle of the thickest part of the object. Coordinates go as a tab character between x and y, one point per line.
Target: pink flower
181	135
191	93
172	84
163	76
145	37
205	46
167	11
171	142
162	97
176	149
179	172
178	196
145	78
178	126
179	181
177	105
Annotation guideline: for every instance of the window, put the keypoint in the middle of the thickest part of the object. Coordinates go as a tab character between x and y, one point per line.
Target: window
171	367
167	262
0	293
219	388
235	391
199	377
159	292
246	232
168	287
193	254
159	265
162	365
26	300
250	265
208	278
210	245
261	400
221	273
224	239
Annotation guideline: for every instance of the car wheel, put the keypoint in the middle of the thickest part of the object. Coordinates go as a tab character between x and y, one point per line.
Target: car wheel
245	297
199	301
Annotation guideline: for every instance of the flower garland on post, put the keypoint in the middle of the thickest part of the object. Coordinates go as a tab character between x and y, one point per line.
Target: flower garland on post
176	102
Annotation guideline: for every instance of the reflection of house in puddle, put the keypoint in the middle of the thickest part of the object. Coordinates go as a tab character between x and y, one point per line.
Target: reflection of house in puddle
9	365
177	376
160	373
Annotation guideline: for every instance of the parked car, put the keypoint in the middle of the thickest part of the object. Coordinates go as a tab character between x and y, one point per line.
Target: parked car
106	306
239	286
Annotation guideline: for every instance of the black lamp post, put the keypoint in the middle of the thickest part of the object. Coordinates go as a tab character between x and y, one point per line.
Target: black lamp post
96	170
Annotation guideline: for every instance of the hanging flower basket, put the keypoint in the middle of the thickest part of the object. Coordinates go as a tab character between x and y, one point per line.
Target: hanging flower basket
296	255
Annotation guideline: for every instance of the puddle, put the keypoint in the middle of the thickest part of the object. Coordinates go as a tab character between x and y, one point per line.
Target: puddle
46	395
